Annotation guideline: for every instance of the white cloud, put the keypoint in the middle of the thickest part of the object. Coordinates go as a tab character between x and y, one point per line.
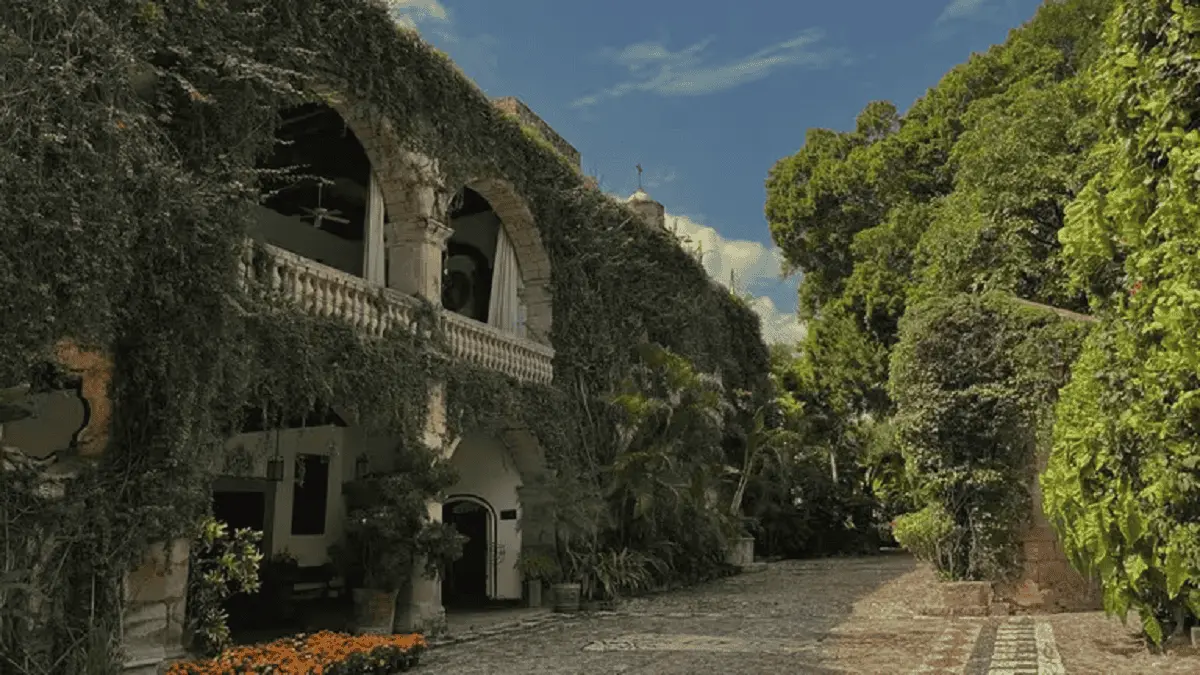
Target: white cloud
656	69
659	177
411	13
749	265
962	9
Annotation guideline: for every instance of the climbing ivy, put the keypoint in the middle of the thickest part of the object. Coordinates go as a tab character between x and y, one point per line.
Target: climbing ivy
1123	484
129	134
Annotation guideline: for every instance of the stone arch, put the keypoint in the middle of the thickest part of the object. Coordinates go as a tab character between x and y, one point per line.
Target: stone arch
520	226
392	164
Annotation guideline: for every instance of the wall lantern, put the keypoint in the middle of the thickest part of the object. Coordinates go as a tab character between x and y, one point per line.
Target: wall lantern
361	466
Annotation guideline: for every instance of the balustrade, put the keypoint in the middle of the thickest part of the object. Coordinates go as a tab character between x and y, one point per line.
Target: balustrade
326	292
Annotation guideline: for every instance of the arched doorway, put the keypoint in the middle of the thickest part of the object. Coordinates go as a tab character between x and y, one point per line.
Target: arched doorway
320	197
468	581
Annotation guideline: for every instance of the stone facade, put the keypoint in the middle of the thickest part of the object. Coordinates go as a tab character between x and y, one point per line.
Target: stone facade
155	599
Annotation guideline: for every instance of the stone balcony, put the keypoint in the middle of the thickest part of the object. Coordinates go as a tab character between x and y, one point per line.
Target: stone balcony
326	292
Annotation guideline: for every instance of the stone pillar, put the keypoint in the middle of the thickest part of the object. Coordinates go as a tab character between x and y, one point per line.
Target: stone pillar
418	235
419	606
538	310
155	597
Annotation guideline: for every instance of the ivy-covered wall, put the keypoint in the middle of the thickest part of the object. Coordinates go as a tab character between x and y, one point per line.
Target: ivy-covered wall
129	133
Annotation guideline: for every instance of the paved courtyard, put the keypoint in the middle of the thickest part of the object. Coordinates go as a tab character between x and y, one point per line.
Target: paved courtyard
846	615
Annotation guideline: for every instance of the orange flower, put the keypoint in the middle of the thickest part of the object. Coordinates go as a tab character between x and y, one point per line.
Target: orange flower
322	653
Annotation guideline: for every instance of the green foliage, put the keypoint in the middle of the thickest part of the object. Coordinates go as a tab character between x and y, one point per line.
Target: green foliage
928	534
132	132
222	563
966	192
974	379
387	529
538	566
1123	483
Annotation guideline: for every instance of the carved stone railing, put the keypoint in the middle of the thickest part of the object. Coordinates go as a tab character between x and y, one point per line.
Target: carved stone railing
495	349
327	292
324	291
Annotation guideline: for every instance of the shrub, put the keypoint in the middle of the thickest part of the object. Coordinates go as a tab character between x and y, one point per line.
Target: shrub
927	533
326	652
222	562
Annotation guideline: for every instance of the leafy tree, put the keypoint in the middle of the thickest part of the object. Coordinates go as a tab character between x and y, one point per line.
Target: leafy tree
973	378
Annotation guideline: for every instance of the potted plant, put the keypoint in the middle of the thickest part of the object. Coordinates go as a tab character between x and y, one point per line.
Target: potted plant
377	555
537	568
388	530
279	577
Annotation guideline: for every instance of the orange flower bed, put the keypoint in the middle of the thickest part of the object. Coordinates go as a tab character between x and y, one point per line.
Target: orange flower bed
324	653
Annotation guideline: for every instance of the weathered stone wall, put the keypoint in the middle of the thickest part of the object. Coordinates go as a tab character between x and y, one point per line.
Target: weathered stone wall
155	602
1047	582
514	106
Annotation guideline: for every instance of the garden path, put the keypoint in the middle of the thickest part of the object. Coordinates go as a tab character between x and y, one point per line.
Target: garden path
838	615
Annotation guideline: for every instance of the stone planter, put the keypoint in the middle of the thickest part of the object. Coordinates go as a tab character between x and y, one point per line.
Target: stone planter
374	611
740	552
566	598
533	593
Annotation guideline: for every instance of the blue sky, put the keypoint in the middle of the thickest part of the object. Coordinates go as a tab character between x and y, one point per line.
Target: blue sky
707	96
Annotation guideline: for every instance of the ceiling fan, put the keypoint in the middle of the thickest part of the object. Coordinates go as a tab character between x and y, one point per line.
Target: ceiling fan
321	214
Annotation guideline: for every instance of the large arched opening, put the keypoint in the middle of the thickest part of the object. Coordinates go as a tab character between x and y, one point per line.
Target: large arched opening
495	269
332	180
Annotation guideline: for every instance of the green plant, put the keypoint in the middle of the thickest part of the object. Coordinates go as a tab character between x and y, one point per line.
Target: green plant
609	574
928	535
538	566
388	529
975	379
222	563
1123	482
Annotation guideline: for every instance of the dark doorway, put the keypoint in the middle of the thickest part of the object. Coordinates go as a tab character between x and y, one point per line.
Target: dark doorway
239	510
465	584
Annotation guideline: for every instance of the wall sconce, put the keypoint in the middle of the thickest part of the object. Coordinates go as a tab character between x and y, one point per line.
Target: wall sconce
361	466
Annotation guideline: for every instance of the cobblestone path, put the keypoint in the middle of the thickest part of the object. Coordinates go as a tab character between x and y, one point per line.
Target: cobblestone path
848	616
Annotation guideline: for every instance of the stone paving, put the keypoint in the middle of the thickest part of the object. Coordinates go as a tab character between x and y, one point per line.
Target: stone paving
842	615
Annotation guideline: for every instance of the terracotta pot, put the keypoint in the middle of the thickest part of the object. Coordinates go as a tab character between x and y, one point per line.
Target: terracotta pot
374	611
566	598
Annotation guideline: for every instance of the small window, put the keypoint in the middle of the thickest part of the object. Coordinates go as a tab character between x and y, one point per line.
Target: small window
310	495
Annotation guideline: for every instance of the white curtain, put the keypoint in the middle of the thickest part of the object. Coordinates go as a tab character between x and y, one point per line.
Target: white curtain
374	251
503	312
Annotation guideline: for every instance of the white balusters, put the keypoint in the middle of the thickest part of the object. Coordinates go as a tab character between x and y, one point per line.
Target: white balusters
326	292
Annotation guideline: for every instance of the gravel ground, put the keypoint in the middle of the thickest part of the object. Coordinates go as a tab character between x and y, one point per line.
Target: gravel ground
840	615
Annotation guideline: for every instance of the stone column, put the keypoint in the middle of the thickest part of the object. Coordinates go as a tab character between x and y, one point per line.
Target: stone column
155	597
418	235
418	238
538	310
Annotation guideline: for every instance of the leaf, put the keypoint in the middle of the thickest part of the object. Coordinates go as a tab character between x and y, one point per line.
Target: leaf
1176	571
1151	627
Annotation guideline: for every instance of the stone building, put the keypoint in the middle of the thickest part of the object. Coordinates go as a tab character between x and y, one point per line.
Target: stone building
383	230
